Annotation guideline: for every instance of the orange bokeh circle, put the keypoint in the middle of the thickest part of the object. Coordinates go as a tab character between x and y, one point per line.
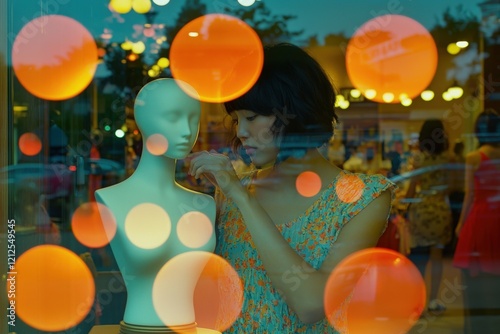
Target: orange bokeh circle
308	184
391	54
219	55
157	144
218	291
218	297
30	144
54	57
194	229
349	188
375	290
54	288
93	224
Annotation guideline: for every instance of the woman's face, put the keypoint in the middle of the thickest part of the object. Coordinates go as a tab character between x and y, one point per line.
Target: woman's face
254	132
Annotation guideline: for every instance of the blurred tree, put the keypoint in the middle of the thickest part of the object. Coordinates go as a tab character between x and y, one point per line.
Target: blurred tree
190	11
454	25
126	69
271	28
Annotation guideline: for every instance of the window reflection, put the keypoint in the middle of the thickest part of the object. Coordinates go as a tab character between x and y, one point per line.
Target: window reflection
70	128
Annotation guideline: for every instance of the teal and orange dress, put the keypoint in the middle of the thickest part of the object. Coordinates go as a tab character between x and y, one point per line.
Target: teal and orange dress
311	235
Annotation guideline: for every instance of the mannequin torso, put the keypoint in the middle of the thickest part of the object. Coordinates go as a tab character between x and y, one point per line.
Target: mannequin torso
156	218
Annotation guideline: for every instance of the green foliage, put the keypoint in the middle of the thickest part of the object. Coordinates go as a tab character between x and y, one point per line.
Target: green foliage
191	10
455	25
271	28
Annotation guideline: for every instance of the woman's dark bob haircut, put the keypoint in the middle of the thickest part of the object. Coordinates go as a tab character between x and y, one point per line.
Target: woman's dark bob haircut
488	127
295	88
433	138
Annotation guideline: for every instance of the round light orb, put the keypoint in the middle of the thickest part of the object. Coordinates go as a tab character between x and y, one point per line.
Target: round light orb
212	277
453	48
194	229
214	307
349	188
161	2
156	144
54	57
447	96
127	45
163	62
456	92
219	55
427	95
29	144
246	3
54	288
153	73
141	6
388	97
93	225
149	32
379	52
138	47
363	293
370	93
308	184
406	102
344	104
119	133
121	6
147	225
355	93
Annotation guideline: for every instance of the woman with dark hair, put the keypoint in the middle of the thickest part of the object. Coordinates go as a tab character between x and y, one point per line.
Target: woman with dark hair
478	230
430	214
287	224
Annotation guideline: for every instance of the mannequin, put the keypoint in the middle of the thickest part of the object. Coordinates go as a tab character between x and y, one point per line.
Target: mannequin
148	207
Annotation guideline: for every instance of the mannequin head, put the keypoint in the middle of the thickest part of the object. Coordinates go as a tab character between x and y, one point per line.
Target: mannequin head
168	117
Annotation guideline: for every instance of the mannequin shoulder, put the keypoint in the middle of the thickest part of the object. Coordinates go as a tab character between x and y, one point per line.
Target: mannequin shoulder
197	202
110	194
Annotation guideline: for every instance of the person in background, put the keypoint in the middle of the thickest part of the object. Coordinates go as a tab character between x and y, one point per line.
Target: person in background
134	144
430	213
270	233
336	152
478	230
457	190
356	162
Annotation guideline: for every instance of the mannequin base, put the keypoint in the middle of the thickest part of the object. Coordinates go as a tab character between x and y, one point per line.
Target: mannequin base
134	329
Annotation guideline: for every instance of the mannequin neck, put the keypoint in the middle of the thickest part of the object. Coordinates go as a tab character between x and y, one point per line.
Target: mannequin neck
156	169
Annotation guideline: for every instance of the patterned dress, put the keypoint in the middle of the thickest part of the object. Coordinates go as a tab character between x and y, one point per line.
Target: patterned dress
312	235
430	217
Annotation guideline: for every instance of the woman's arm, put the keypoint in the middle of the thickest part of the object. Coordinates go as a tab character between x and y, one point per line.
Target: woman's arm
278	258
472	161
415	180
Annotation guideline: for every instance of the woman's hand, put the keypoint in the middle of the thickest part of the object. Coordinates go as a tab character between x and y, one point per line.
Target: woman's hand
216	167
